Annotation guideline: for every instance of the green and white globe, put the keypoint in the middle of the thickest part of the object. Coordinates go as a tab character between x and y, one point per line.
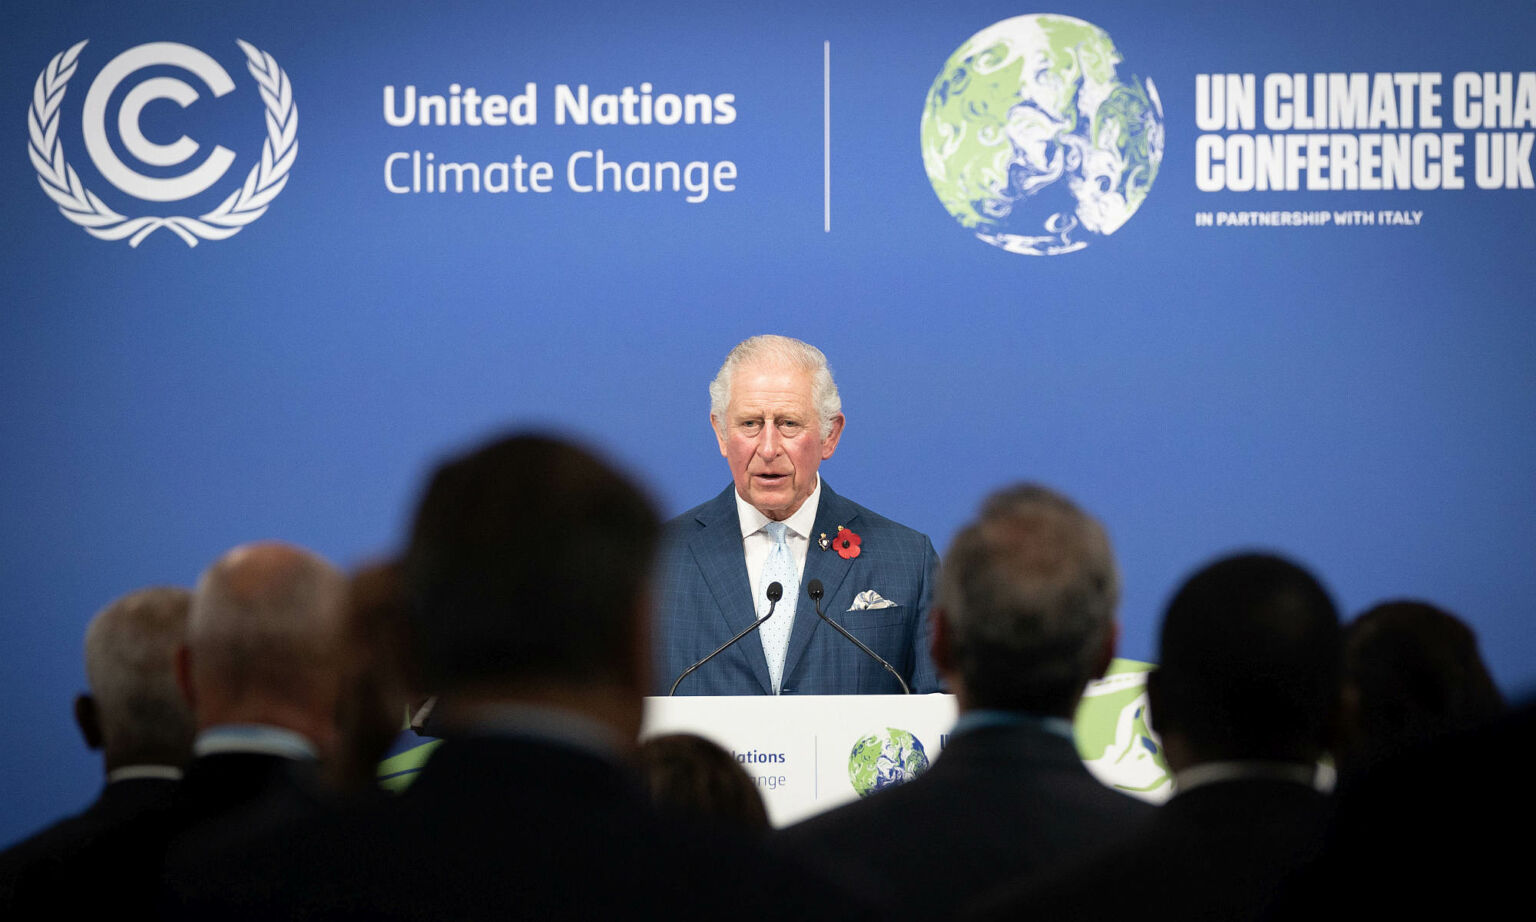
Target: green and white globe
1033	142
1114	737
881	760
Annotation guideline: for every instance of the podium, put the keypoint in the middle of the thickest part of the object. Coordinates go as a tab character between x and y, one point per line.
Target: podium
807	753
810	753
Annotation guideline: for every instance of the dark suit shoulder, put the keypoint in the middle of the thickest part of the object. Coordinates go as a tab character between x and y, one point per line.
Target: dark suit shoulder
220	795
1017	771
713	508
497	827
868	519
997	804
1220	851
871	519
117	803
121	803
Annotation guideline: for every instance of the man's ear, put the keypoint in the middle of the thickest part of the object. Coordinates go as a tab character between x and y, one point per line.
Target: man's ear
718	426
829	444
88	720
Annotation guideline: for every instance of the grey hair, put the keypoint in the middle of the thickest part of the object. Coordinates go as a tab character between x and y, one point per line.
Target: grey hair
779	350
266	620
1029	592
130	666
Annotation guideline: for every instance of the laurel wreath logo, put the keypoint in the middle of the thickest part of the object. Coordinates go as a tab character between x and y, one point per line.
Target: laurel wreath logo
243	206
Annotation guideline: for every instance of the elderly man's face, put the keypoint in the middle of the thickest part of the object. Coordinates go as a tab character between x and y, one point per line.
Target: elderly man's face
771	438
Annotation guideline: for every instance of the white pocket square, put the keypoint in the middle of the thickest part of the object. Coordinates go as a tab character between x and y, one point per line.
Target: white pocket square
869	598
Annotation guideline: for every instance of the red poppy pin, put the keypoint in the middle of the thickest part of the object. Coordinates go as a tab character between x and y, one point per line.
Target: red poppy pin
846	543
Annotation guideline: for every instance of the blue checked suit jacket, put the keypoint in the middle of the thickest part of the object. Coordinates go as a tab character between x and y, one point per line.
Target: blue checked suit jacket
705	598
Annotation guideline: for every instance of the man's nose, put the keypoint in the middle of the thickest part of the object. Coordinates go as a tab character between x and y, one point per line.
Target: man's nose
769	443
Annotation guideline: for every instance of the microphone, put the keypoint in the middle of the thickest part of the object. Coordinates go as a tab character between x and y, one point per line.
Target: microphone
775	592
814	589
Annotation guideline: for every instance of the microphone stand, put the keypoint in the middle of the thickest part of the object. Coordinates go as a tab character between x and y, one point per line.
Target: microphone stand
774	593
814	589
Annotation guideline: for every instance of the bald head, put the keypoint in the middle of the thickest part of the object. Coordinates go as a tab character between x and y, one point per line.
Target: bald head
135	714
262	637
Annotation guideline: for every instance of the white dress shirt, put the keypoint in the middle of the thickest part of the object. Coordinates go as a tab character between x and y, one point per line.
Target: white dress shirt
756	544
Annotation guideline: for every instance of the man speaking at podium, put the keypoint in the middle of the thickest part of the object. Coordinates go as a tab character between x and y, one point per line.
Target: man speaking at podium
777	415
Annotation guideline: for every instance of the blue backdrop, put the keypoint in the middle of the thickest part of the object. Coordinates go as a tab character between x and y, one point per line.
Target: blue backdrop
1359	397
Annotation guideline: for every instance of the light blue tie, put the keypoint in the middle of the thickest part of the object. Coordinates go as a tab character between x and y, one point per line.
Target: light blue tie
779	568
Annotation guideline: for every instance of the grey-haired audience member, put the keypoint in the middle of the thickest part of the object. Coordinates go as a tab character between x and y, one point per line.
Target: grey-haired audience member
134	714
1025	618
259	668
1244	699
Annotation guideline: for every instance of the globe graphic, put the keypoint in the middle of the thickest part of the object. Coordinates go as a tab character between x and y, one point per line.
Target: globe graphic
1033	142
1115	738
879	761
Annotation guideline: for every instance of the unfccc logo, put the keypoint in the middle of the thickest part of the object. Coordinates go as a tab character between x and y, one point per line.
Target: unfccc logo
80	205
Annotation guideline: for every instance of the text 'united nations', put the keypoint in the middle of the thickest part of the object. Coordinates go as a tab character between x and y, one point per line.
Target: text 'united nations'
408	172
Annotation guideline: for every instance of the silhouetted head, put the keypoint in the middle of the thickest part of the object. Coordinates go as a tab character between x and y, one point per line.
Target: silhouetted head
1248	664
377	674
527	568
1411	673
692	777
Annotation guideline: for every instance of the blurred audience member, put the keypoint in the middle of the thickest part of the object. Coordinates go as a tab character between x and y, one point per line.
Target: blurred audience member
377	679
692	777
527	571
134	714
1244	698
259	669
1024	619
1430	833
1411	673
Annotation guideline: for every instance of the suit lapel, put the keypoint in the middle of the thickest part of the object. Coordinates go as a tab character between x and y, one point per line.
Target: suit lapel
717	550
825	565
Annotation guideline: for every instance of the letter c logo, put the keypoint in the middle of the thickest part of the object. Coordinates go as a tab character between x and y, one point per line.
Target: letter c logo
179	151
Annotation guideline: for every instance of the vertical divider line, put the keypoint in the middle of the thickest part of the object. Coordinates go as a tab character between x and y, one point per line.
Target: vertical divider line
826	136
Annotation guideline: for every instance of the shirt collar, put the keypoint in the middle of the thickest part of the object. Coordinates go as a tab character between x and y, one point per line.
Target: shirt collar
801	523
983	717
136	772
1246	770
259	739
